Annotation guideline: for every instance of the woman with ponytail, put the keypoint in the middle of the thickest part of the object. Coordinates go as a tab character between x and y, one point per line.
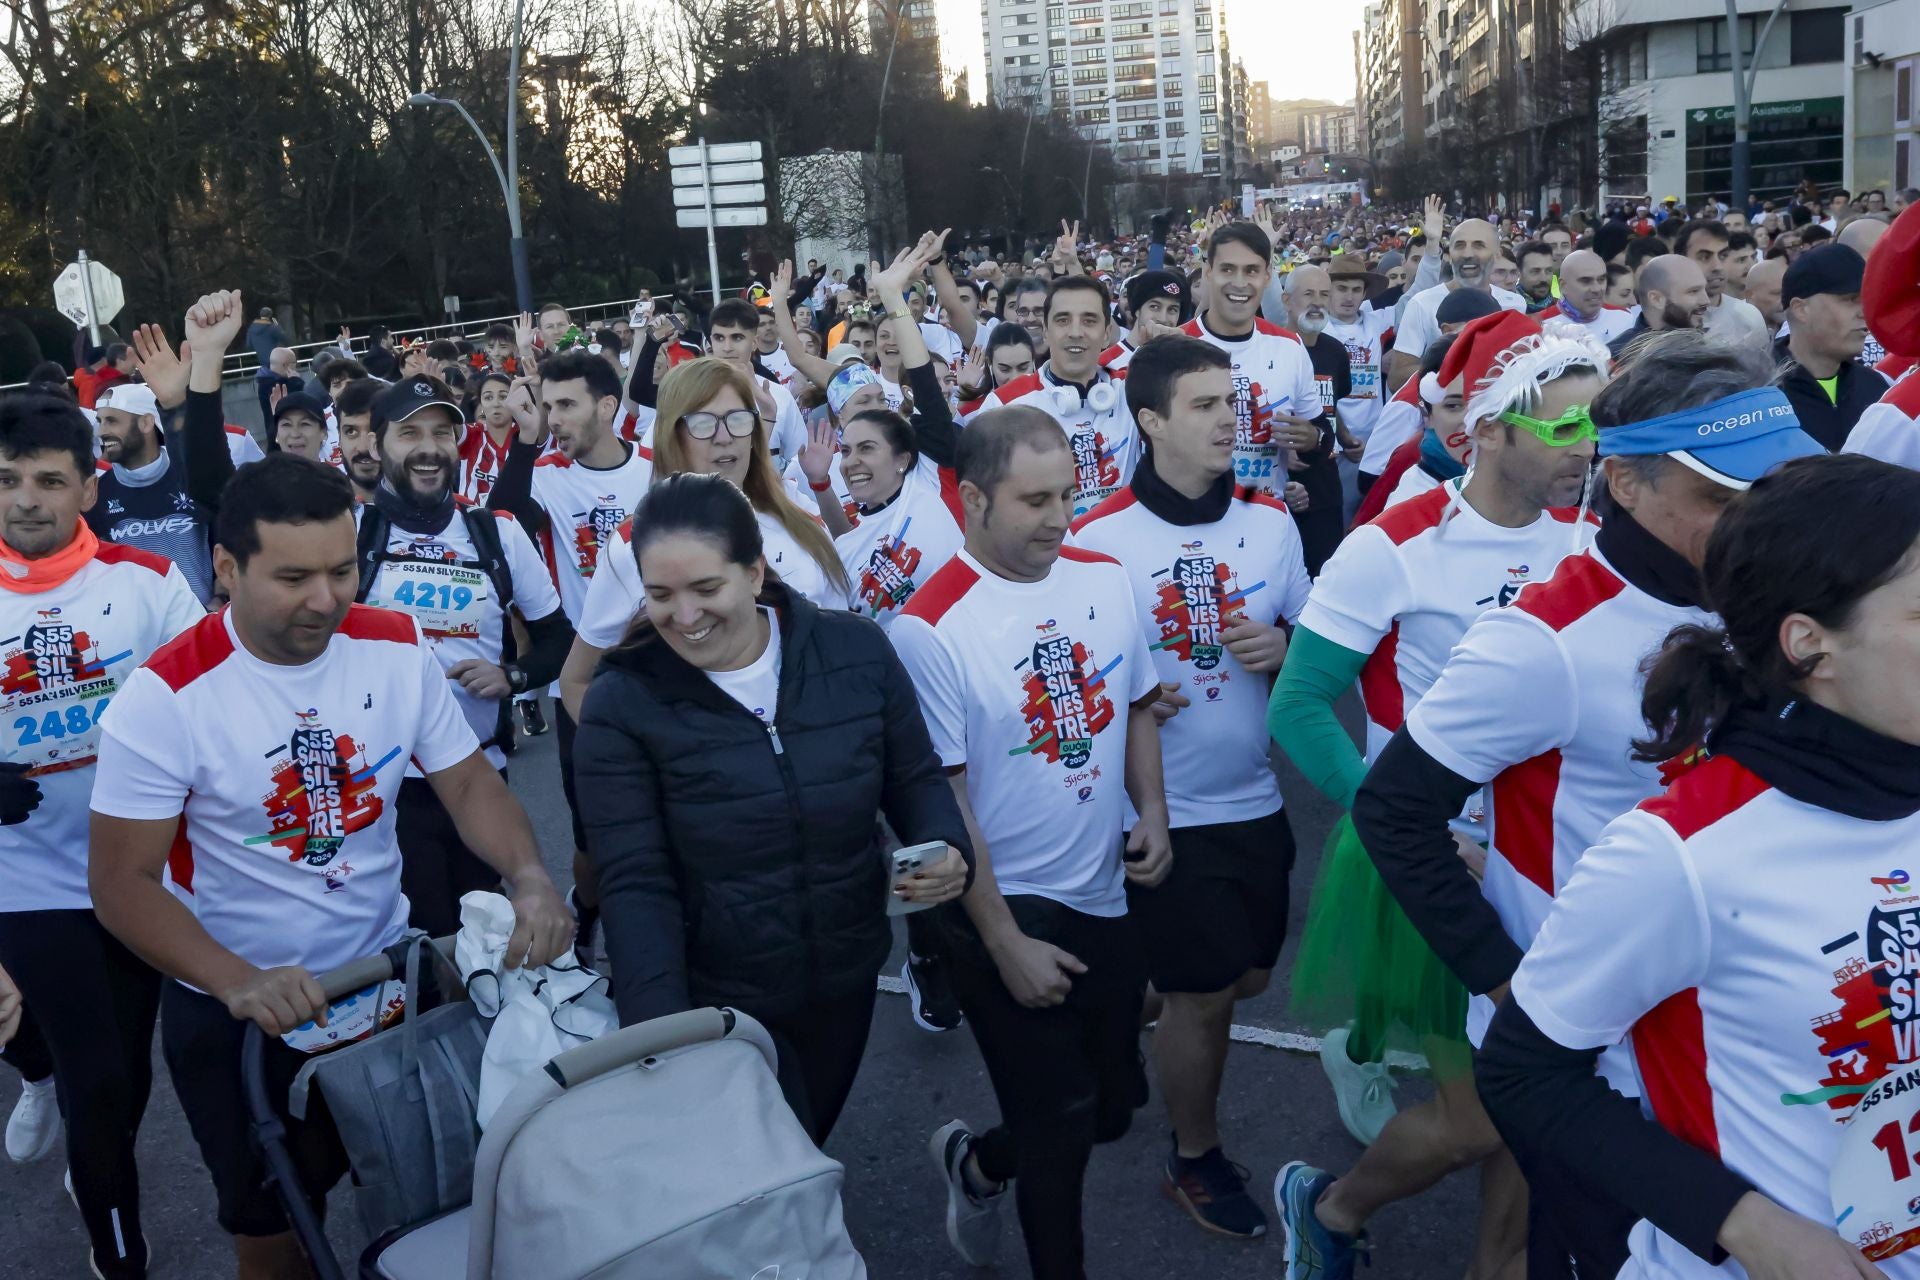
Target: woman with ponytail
1754	930
733	750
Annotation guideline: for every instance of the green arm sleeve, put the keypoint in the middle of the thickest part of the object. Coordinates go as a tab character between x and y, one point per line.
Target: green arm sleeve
1300	714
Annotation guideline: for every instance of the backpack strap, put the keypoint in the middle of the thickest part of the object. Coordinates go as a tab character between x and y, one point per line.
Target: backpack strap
483	527
372	540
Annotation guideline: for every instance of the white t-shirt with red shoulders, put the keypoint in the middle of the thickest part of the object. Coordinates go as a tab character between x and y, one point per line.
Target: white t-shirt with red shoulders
891	553
67	657
1272	373
584	506
287	779
1100	428
481	461
1404	588
1190	584
1542	701
241	446
1029	685
1758	954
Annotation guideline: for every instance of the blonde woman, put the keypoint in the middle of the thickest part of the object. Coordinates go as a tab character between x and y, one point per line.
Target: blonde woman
703	404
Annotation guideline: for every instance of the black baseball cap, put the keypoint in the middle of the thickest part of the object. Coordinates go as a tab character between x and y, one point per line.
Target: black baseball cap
1465	304
410	395
1831	268
300	400
1158	284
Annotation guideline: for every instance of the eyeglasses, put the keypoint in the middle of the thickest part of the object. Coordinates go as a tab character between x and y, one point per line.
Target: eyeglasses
704	426
1570	427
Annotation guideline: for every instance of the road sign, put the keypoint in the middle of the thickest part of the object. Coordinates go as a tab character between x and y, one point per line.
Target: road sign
750	171
717	153
721	218
696	197
88	294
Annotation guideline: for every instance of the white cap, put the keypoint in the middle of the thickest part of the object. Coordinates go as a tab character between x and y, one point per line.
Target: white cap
129	397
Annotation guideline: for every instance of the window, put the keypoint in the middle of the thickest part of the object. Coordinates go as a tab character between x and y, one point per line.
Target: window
1169	48
1173	110
1169	26
1090	75
1057	57
1097	115
1171	89
1209	146
1090	13
1019	42
1208	84
1903	94
1136	10
1210	125
1089	35
1094	53
1205	62
1208	103
1030	60
1138	71
1203	42
1132	30
1018	20
1055	15
1819	35
1127	52
1203	21
1710	47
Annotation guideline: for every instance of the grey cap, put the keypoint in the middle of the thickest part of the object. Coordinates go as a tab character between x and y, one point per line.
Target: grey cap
1390	259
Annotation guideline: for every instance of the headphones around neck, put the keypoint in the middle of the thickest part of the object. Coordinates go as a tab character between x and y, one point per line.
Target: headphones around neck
1100	399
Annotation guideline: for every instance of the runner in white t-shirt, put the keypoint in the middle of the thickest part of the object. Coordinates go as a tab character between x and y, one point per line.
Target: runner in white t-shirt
1471	249
1583	298
1557	765
77	617
1359	328
1037	688
905	532
1276	398
1385	612
1751	928
458	569
1216	573
253	766
1089	405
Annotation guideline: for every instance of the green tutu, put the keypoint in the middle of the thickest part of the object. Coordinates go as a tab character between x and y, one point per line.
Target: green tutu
1362	963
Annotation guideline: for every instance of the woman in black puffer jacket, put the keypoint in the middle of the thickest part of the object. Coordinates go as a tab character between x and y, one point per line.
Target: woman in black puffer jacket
732	755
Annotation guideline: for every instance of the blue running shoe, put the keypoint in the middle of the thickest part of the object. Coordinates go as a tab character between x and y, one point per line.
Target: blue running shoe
1313	1252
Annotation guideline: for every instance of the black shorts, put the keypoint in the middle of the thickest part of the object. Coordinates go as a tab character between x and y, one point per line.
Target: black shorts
201	1043
563	731
436	867
1222	910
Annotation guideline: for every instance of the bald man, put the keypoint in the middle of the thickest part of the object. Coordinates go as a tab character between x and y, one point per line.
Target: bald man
1672	293
1763	290
1583	298
1471	250
1861	235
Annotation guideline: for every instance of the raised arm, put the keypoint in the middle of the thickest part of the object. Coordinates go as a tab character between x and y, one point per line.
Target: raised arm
812	367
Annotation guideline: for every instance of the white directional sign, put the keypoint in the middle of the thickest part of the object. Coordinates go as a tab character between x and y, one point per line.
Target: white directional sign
92	299
717	153
696	197
721	218
718	184
748	171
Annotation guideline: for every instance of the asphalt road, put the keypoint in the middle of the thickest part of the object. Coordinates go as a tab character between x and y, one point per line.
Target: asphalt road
1276	1106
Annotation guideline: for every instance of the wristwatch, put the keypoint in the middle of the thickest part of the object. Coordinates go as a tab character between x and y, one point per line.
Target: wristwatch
516	679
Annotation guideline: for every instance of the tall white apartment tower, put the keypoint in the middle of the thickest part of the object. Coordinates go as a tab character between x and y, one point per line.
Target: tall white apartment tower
1150	78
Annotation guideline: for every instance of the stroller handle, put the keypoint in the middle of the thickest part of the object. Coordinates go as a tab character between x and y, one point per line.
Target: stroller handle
364	972
642	1040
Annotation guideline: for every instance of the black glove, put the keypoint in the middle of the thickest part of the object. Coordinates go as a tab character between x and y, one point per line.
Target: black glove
19	794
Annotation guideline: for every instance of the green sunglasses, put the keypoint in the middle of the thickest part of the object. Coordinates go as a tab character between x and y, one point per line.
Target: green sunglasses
1570	427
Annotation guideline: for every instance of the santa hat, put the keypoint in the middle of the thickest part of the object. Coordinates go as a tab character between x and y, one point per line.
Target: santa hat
1475	351
1890	293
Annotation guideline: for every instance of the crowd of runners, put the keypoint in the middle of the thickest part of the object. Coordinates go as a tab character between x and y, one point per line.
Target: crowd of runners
1024	559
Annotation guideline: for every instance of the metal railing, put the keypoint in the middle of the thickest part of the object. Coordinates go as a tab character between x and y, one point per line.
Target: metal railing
245	364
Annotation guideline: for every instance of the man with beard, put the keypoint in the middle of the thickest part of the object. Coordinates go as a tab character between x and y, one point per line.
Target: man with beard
1672	292
458	569
159	494
1309	294
359	452
1763	291
1710	245
1470	251
1028	306
1536	274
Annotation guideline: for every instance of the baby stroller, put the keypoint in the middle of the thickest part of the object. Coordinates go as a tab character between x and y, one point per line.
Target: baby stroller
659	1150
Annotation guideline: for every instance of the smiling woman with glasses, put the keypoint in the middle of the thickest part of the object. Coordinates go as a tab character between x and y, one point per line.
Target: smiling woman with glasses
707	424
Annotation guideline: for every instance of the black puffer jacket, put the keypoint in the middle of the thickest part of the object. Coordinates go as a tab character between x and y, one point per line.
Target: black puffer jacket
740	866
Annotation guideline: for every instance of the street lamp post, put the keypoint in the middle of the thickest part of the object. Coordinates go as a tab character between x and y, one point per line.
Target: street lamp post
509	175
1743	79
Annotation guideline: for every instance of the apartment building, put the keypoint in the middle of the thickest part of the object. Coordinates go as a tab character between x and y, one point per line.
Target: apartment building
1883	61
1390	83
1155	80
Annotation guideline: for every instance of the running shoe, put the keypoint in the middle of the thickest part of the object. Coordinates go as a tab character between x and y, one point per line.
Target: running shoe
973	1224
1363	1090
1214	1190
929	994
1313	1252
533	720
34	1127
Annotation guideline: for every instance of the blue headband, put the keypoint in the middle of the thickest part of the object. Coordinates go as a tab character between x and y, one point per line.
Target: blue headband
844	384
1734	440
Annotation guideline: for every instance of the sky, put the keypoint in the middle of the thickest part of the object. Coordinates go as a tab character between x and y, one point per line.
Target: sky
1301	48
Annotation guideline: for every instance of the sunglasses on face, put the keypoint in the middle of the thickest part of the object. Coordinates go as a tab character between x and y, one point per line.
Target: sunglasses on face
704	426
1570	427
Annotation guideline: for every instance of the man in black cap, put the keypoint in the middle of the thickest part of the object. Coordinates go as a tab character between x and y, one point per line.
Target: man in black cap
457	568
1157	302
1824	379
